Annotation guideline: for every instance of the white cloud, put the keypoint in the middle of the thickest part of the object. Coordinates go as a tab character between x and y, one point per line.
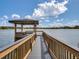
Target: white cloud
59	20
59	24
5	17
38	12
43	25
42	18
45	10
52	8
73	23
48	9
28	17
3	23
47	20
15	16
56	24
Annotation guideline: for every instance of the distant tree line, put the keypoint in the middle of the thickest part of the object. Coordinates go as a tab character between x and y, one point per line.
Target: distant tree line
6	27
65	27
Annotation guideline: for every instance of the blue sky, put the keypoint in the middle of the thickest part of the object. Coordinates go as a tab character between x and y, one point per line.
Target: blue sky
48	12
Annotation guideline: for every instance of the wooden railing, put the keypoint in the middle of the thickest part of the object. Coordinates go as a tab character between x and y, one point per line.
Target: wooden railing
20	49
59	50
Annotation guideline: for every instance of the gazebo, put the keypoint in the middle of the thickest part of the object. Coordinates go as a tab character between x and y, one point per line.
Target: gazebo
22	22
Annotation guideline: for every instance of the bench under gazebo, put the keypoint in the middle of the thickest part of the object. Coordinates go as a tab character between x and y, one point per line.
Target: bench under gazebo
19	35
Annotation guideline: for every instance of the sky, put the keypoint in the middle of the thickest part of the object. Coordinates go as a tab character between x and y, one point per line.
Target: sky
50	13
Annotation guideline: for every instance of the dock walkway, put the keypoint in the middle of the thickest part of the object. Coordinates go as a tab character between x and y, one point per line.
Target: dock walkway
39	50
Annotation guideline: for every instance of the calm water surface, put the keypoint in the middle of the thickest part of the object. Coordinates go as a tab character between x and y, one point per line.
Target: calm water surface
69	36
6	37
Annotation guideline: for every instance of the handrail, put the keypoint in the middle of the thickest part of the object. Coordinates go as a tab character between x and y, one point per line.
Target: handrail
59	50
20	49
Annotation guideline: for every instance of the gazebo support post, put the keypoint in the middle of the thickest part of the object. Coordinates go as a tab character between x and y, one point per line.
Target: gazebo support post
21	27
15	30
35	29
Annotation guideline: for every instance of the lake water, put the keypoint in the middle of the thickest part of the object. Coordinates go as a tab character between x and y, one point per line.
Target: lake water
6	37
69	36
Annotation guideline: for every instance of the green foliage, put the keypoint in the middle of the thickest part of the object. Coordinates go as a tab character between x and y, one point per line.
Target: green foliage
5	27
65	27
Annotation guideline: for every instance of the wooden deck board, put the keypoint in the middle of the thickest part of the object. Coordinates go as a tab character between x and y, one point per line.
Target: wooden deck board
39	50
44	50
36	50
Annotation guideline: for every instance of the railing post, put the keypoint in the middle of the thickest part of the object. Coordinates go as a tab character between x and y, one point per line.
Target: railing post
31	44
48	47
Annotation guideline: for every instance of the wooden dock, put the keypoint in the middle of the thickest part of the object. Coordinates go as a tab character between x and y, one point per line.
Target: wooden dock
37	45
39	50
43	47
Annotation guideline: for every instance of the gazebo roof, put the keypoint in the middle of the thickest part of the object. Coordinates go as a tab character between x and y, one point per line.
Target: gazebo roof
25	21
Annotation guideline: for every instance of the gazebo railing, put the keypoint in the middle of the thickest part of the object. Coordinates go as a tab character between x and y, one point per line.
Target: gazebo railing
59	50
20	49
